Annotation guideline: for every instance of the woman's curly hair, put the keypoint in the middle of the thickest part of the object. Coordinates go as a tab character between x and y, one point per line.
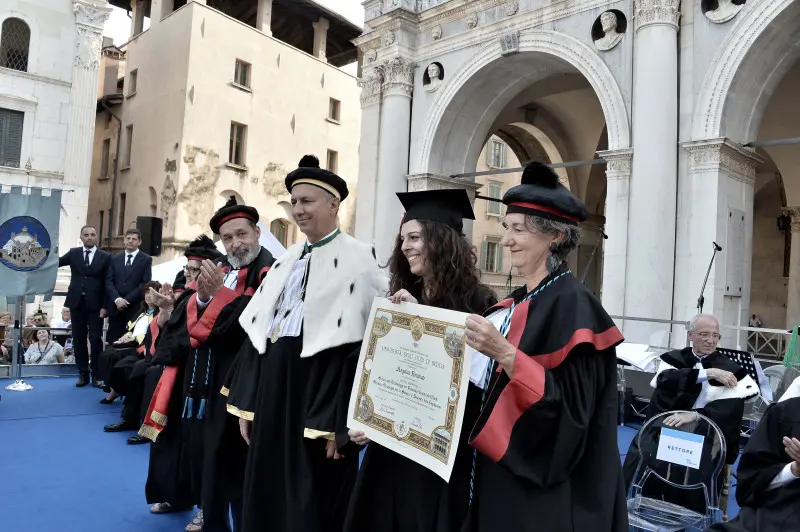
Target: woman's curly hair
455	284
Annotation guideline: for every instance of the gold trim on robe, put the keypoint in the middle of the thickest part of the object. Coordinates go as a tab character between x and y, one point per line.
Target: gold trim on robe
240	413
313	434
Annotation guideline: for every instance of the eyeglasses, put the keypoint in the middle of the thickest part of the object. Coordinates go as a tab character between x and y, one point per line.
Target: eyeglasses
709	335
193	271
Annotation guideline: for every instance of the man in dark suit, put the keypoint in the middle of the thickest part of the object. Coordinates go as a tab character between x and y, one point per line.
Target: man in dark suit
127	273
85	299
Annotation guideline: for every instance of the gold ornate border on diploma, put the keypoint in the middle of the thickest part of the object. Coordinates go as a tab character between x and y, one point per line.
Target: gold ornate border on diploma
439	442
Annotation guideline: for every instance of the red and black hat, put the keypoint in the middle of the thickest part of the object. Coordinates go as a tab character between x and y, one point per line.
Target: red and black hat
202	248
541	194
309	173
230	211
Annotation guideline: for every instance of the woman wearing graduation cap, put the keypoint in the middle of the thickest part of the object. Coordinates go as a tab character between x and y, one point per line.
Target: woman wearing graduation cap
432	264
546	436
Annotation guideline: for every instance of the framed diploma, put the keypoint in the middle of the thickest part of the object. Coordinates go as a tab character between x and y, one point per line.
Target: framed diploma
411	383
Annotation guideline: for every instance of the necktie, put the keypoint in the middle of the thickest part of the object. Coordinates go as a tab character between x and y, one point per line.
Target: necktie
86	257
128	264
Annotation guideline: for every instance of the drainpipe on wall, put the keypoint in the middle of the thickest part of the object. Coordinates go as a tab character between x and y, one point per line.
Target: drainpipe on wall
115	98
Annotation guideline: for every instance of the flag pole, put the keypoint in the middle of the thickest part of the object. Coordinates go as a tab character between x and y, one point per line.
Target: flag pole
16	364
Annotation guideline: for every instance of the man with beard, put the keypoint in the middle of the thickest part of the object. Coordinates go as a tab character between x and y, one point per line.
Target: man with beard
172	464
292	380
212	328
697	379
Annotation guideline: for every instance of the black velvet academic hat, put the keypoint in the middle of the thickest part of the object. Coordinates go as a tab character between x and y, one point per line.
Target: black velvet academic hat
448	206
230	211
309	173
202	248
541	194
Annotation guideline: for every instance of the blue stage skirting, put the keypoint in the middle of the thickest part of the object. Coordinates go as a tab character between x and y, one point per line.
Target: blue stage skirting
61	471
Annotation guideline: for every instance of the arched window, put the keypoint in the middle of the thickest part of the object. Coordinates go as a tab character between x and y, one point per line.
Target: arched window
280	230
15	41
153	202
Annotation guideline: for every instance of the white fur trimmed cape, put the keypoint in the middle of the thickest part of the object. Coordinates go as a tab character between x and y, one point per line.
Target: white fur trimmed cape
343	279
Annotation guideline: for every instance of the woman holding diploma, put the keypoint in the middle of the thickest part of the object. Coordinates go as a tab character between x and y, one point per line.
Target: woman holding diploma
432	264
546	436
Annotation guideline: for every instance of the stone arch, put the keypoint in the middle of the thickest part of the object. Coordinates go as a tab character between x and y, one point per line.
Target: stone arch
223	196
540	49
747	67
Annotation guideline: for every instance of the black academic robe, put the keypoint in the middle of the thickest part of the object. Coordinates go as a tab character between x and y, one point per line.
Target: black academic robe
547	439
764	456
395	494
678	389
172	463
215	338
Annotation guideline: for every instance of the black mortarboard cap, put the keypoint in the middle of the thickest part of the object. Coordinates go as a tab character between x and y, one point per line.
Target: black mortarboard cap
230	211
202	248
448	206
309	173
541	194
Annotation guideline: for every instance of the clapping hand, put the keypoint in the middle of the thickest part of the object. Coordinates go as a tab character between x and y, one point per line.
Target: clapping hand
164	298
792	446
210	280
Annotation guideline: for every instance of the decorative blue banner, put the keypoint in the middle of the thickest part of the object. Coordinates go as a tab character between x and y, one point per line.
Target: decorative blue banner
29	242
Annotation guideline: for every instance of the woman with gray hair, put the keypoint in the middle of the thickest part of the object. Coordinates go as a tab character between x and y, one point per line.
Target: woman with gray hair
546	439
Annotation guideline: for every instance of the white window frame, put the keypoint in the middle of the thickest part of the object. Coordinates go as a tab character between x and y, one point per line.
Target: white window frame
498	257
27	106
492	206
490	162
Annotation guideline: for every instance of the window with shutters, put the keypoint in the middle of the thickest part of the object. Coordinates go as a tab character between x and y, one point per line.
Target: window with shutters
15	42
11	123
496	154
105	158
494	191
492	255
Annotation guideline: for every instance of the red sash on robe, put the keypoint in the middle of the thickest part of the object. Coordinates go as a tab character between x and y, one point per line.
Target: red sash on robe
156	419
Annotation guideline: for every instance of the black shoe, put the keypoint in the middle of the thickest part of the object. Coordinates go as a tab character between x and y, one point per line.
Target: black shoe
83	380
97	384
137	440
106	401
119	427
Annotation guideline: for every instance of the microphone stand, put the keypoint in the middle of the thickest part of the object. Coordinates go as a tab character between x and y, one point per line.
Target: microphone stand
701	300
591	257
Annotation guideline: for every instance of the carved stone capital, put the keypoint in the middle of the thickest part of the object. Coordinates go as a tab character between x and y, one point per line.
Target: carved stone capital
657	12
371	84
618	163
408	5
398	77
723	156
472	21
419	182
88	13
794	215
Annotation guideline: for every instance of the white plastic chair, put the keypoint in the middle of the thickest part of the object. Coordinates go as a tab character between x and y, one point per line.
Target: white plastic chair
648	508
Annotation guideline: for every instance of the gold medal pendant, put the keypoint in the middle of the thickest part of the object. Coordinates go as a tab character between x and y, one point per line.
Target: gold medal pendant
275	332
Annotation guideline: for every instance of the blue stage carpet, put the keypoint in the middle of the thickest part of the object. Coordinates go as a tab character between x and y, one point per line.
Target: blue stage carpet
61	471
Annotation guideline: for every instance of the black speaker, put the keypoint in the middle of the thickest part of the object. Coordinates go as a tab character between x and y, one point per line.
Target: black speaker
151	234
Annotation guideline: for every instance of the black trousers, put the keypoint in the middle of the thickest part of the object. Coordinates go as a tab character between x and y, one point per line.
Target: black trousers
118	323
86	323
216	516
132	406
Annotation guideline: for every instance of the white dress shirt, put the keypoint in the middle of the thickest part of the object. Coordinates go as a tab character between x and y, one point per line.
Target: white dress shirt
782	478
132	255
91	250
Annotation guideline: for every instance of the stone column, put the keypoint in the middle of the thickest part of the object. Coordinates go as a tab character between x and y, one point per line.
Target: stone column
371	92
716	205
393	145
321	38
793	286
615	249
651	227
160	9
89	19
264	16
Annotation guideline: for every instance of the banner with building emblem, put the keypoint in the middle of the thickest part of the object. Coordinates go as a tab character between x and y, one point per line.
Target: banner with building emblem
29	239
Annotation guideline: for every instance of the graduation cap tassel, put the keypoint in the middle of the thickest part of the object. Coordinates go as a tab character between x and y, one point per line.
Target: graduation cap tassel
188	407
202	410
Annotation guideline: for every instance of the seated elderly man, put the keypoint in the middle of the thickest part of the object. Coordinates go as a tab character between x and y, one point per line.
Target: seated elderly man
703	381
767	488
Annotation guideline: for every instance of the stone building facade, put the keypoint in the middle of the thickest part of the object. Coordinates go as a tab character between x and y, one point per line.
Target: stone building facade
216	102
666	106
49	58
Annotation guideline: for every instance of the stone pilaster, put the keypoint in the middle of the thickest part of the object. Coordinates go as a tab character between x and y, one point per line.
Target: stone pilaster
371	92
264	16
615	249
651	226
321	38
716	205
793	285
